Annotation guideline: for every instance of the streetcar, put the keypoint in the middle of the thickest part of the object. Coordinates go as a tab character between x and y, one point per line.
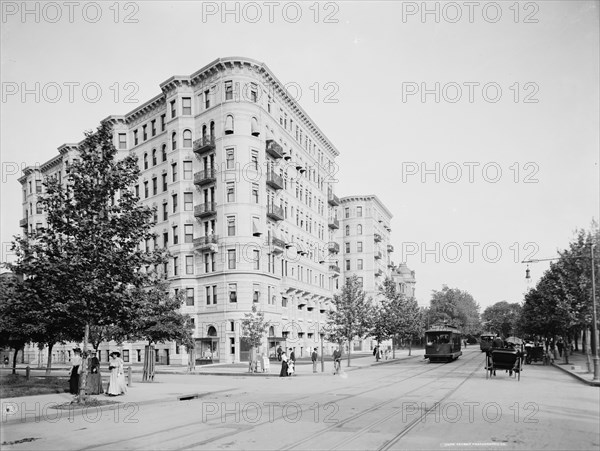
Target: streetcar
443	343
485	342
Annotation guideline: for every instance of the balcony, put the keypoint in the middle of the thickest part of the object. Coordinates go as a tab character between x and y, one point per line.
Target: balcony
274	212
278	245
274	181
334	248
206	243
333	223
377	238
378	255
206	176
335	269
273	148
23	222
390	248
333	199
204	144
206	209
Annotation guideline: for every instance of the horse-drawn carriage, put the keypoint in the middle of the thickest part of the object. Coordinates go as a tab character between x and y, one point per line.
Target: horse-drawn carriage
509	359
535	354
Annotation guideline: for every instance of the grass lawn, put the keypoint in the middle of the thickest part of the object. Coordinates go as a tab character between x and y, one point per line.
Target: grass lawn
15	385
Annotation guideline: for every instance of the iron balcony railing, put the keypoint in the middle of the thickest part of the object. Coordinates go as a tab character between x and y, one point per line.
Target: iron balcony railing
205	209
275	212
204	144
274	180
205	176
273	148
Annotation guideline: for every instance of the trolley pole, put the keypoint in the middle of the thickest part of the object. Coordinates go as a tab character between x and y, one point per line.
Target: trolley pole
594	322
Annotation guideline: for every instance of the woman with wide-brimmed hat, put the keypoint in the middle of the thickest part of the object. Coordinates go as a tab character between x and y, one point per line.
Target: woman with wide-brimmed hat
93	385
116	383
75	371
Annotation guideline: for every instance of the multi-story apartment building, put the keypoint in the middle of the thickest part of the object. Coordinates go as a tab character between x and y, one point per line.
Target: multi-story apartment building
237	174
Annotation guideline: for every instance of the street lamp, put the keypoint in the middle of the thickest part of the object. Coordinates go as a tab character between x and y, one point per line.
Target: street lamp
595	357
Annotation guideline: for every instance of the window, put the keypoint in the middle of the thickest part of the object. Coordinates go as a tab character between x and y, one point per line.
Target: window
230	225
126	355
164	182
359	212
145	160
164	152
347	265
359	229
165	239
175	267
208	296
359	264
230	191
283	301
154	157
359	247
231	258
189	267
163	122
188	201
174	141
153	127
254	160
189	295
139	355
230	159
256	258
347	248
187	170
174	203
207	99
228	90
175	236
188	231
255	292
165	211
232	292
135	137
122	141
255	193
229	125
347	212
187	138
38	208
144	132
173	108
186	106
347	230
214	293
253	92
174	171
154	186
145	189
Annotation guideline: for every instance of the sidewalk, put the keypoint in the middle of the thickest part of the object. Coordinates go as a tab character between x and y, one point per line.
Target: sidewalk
170	387
577	367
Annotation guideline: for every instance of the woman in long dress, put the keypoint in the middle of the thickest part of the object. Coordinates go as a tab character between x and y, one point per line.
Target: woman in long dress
74	374
116	384
94	378
284	365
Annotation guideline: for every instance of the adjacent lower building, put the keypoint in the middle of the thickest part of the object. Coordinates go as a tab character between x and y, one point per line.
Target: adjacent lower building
237	174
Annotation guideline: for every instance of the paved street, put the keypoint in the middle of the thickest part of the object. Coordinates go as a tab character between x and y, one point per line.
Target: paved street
405	404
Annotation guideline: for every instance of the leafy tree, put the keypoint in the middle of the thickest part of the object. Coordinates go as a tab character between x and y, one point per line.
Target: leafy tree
91	244
413	321
350	319
254	328
454	306
503	318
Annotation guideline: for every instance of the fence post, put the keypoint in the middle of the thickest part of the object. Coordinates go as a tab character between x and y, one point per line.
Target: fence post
129	376
27	371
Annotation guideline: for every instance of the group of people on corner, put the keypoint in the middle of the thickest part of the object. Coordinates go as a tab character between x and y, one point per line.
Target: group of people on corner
380	354
253	362
288	363
93	382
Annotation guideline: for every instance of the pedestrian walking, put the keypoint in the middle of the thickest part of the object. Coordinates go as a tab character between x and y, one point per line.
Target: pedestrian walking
116	383
376	353
314	356
292	362
560	345
75	372
284	364
93	384
279	352
337	360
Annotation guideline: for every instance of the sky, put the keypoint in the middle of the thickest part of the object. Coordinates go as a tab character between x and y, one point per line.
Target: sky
477	125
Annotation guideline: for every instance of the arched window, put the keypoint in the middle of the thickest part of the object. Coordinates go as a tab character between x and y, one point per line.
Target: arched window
347	230
212	130
229	125
164	152
145	160
187	138
153	157
359	229
174	141
255	129
204	130
212	332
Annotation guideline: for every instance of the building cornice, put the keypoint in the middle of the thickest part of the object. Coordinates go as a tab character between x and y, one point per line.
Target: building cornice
366	198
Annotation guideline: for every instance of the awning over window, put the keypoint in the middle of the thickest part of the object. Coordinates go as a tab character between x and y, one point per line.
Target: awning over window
256	227
255	128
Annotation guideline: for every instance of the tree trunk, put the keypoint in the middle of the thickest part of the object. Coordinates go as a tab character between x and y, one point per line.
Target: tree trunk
349	351
14	366
83	374
49	361
393	346
409	345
